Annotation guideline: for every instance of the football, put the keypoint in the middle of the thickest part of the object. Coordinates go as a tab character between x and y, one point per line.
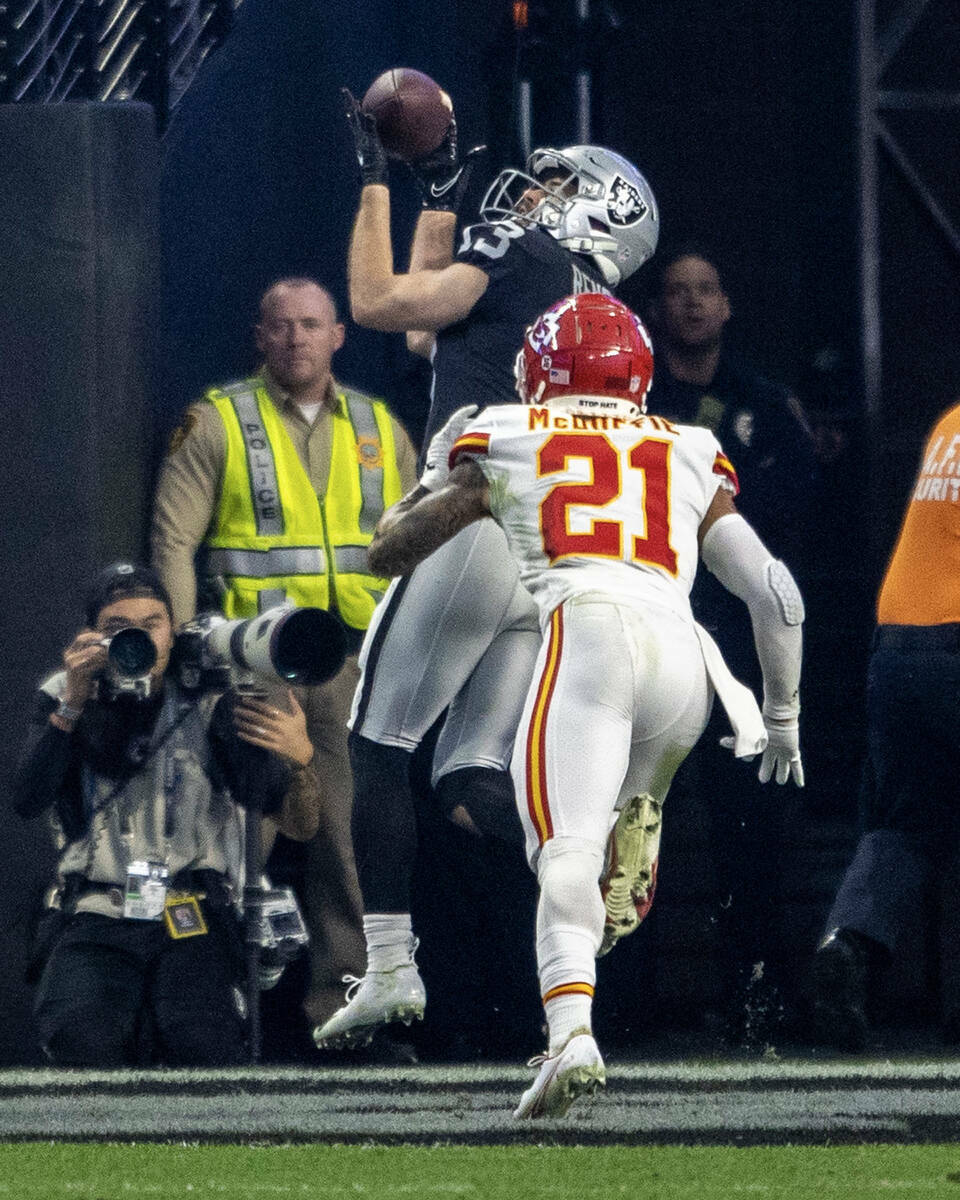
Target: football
411	111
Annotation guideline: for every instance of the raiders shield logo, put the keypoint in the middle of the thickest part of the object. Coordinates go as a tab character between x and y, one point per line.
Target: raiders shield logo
624	205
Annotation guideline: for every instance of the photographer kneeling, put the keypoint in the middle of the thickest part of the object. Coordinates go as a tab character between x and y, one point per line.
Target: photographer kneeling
146	781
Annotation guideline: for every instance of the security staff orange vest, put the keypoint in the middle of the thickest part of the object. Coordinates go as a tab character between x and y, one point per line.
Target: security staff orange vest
273	539
921	583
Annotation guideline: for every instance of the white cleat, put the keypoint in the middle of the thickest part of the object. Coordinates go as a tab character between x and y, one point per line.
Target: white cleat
377	999
576	1071
630	878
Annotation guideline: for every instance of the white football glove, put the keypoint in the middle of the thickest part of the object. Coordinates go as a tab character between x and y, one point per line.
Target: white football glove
437	466
781	754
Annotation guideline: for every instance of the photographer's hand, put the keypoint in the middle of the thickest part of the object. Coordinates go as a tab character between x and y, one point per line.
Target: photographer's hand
83	660
264	723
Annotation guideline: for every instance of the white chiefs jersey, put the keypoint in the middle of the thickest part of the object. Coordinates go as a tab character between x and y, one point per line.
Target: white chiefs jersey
598	503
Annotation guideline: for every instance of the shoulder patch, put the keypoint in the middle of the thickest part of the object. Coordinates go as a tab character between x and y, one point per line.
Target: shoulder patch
469	445
182	432
724	467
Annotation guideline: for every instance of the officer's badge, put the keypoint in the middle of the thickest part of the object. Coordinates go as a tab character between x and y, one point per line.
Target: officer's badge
625	205
182	432
369	452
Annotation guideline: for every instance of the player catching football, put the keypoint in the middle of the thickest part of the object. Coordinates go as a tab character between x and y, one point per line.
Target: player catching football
606	512
462	633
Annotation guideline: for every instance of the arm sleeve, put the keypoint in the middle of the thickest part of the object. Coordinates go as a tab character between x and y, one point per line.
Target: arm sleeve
45	762
732	551
184	504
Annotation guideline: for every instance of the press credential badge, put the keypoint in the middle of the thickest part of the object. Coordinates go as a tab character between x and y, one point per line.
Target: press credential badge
146	891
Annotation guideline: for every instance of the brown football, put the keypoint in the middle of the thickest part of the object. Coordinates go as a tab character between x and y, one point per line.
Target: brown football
411	111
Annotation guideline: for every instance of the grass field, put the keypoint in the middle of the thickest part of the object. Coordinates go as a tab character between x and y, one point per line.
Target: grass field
108	1171
770	1129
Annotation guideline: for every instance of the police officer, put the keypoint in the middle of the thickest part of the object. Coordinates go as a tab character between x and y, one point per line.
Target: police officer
142	956
699	382
762	428
281	478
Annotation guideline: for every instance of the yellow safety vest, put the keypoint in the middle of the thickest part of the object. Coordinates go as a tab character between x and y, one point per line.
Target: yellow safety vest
273	539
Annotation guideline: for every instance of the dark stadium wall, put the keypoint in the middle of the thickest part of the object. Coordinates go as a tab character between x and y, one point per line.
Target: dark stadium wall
78	243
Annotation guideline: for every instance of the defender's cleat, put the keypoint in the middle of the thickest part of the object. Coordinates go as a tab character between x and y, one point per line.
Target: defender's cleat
377	999
630	878
840	990
576	1071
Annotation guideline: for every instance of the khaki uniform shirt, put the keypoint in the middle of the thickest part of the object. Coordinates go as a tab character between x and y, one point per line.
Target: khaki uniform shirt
188	490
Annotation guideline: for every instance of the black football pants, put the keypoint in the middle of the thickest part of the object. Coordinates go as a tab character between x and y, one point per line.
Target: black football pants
119	992
911	802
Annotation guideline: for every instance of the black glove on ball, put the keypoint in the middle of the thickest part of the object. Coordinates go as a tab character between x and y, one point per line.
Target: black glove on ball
371	156
442	177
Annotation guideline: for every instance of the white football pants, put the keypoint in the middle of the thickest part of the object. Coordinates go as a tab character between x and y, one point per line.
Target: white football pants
619	696
460	631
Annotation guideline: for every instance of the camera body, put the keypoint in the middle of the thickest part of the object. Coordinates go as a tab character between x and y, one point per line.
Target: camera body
131	656
285	644
276	925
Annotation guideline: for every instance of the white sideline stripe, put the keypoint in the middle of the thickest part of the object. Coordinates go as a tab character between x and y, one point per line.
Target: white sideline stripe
355	1110
851	1072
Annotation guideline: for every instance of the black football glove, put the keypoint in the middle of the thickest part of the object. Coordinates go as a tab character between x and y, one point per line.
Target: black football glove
371	156
442	177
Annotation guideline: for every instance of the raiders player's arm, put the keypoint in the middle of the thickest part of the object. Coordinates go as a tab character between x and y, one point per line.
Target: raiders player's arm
424	300
430	250
423	520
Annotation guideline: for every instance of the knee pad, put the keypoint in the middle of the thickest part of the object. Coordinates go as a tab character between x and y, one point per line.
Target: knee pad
488	797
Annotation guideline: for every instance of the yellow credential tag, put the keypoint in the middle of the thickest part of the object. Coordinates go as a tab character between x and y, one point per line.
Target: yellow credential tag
183	917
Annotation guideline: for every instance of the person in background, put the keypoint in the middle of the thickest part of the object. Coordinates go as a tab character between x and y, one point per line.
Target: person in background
278	481
763	429
910	815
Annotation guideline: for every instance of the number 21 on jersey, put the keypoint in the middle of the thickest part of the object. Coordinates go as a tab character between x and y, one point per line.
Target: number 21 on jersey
605	538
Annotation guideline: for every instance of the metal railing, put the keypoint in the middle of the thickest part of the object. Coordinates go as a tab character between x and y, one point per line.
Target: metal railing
149	50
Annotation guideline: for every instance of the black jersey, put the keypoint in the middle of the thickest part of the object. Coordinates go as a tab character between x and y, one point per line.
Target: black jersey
528	271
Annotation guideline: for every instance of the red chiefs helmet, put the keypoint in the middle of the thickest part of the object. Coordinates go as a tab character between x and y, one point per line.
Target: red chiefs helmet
587	345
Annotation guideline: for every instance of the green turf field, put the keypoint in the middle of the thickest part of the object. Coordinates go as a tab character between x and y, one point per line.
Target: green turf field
107	1171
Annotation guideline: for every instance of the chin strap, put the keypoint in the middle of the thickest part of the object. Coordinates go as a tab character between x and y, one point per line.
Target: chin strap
596	250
